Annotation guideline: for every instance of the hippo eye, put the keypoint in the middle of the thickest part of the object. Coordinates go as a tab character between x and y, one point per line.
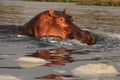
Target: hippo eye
61	19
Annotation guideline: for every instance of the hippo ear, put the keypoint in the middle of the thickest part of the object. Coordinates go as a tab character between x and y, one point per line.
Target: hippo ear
64	10
52	13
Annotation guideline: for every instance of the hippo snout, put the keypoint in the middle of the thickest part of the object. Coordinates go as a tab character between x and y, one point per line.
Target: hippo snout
83	36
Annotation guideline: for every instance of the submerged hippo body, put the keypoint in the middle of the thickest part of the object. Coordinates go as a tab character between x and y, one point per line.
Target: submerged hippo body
53	23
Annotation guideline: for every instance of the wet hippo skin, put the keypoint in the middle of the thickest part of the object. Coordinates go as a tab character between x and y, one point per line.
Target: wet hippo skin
51	23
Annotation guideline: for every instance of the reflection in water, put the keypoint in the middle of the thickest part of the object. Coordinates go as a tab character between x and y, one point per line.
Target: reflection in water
86	71
57	56
11	67
55	76
61	56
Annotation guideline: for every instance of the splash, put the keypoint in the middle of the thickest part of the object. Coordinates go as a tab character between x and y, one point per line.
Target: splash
103	41
101	36
59	42
106	41
21	36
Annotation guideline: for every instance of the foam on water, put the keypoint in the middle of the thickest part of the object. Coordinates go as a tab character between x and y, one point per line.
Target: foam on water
57	41
21	36
95	70
114	35
106	40
26	62
100	34
103	41
8	77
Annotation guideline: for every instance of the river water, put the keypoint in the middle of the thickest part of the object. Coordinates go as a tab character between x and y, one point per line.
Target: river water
104	22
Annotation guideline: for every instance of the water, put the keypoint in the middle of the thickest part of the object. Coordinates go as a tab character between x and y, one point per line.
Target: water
102	21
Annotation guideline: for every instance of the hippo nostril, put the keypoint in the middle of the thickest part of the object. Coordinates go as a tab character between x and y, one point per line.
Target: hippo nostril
75	33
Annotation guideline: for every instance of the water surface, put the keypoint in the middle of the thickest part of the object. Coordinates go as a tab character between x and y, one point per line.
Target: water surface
102	21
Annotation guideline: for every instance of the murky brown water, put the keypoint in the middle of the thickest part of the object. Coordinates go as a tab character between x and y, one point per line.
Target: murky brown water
103	21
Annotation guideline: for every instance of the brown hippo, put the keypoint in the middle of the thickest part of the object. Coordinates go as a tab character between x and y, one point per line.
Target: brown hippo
53	23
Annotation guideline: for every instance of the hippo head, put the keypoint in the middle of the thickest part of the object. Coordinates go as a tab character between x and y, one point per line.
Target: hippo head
54	23
49	23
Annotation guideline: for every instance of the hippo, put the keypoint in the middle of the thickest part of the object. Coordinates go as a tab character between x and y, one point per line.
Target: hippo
51	23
